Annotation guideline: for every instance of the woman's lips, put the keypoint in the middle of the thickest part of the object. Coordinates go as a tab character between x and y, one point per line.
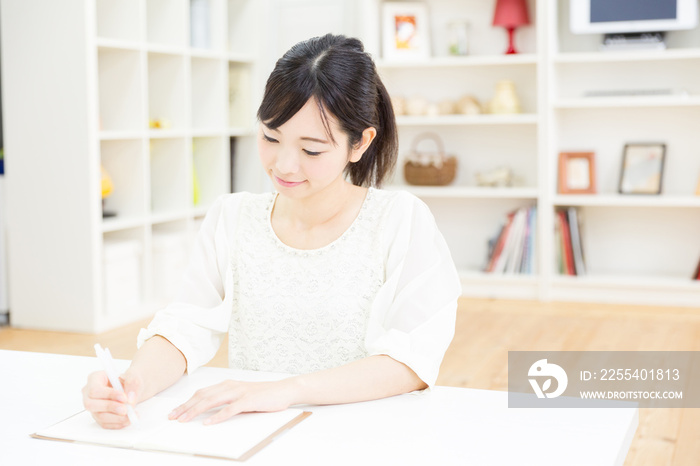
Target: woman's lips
287	184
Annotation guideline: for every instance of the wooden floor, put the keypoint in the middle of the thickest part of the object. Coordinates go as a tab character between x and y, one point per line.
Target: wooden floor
478	356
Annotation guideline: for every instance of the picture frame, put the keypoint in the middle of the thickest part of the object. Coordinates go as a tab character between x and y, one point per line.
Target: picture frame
577	173
405	31
642	168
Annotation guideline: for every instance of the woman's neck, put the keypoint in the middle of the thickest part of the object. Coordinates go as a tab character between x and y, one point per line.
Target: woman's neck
321	208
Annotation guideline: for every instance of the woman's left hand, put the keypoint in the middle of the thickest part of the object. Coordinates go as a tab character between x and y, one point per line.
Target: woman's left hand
236	397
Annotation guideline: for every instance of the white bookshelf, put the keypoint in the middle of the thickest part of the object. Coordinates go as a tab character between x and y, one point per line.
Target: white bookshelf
132	61
639	249
468	215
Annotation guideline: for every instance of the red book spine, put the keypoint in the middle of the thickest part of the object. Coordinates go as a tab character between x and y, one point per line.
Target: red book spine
499	244
566	240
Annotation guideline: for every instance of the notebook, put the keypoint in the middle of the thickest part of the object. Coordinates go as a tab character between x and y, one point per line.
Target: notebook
238	438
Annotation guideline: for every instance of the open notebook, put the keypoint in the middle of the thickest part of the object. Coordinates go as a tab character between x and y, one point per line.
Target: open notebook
238	438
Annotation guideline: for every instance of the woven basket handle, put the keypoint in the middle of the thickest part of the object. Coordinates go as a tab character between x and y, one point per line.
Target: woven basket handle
428	135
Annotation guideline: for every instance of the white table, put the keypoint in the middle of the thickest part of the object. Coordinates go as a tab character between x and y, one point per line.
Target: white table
444	426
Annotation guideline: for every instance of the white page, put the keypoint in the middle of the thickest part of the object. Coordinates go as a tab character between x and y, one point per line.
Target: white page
229	439
83	428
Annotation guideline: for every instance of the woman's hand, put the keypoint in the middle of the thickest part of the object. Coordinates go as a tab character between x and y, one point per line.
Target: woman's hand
236	397
108	405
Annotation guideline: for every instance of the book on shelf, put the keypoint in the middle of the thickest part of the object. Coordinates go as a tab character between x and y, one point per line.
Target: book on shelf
696	274
569	243
511	251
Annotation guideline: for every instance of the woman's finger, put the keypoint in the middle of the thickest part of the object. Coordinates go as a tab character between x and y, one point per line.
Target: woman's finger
105	406
206	399
198	395
111	421
105	393
225	413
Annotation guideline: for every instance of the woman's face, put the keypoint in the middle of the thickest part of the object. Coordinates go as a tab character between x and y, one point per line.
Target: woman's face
299	156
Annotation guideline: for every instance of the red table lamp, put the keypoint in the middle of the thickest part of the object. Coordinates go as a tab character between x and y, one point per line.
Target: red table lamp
510	14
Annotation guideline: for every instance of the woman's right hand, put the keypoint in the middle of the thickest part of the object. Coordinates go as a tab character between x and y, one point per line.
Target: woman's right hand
108	405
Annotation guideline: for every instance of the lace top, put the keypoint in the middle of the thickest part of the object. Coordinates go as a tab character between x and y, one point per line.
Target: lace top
387	285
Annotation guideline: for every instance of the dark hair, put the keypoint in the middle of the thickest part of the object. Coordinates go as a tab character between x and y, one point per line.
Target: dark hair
341	76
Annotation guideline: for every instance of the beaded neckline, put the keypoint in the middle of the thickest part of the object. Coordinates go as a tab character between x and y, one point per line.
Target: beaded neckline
328	246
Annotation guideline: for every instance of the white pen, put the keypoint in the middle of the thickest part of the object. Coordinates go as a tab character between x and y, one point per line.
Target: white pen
105	358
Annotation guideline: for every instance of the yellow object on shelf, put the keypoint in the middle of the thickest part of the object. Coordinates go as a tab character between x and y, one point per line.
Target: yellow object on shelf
107	186
195	186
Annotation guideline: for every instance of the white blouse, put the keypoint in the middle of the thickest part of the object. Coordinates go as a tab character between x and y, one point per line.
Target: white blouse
386	286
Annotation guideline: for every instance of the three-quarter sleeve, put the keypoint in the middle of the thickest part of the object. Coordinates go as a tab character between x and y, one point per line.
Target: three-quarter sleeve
198	318
412	318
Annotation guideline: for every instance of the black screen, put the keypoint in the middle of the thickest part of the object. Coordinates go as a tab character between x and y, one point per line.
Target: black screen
632	10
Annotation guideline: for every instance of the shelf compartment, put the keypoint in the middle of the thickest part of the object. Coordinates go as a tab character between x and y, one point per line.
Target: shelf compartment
123	276
241	114
468	224
207	24
606	131
166	89
170	176
120	90
675	78
170	248
453	83
167	22
464	120
243	16
207	87
119	20
479	150
123	161
637	241
210	160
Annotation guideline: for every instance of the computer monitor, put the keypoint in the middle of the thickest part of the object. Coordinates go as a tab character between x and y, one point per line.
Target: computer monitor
628	16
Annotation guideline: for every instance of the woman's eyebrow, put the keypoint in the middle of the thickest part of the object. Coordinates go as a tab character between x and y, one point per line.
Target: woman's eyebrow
303	138
322	141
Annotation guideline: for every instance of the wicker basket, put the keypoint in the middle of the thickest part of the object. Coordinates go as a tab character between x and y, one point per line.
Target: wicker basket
429	168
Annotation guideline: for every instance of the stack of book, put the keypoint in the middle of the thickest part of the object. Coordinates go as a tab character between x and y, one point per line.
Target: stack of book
567	236
512	250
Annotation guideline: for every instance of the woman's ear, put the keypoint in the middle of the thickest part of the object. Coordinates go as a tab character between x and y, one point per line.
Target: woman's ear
368	136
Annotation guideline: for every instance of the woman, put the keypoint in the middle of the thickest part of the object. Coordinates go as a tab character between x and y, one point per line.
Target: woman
347	286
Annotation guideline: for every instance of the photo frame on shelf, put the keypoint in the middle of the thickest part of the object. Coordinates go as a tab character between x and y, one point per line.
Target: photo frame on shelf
577	173
406	31
642	168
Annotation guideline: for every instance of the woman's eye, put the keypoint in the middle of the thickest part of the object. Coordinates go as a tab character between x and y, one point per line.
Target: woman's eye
308	152
269	139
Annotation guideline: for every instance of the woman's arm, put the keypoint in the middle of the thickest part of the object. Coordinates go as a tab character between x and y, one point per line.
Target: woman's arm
370	378
159	364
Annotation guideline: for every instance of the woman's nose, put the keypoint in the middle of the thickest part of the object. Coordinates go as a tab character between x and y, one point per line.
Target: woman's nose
287	162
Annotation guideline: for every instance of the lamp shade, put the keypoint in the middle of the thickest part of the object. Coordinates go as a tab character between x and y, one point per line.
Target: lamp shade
511	13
